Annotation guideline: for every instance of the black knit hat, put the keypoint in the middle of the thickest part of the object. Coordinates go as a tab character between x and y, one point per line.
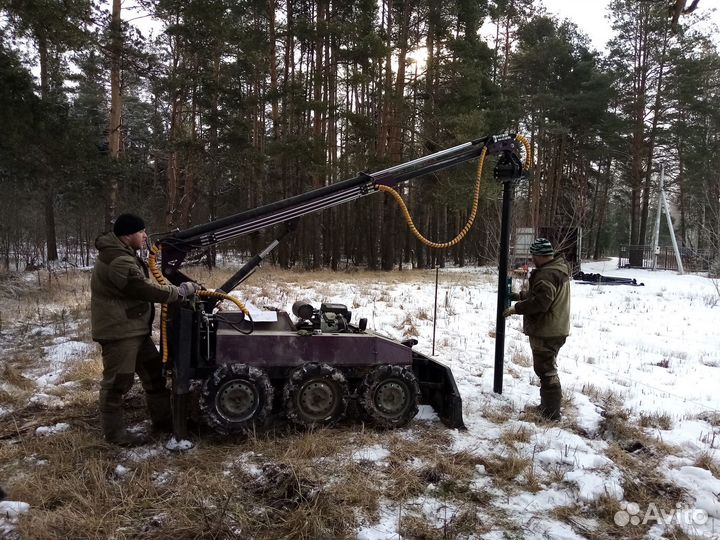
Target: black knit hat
542	247
128	224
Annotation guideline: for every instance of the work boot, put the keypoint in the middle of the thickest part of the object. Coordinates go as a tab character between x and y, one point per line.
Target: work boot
115	433
160	411
550	400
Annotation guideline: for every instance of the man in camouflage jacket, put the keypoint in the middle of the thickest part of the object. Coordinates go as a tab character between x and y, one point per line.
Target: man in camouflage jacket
545	308
121	314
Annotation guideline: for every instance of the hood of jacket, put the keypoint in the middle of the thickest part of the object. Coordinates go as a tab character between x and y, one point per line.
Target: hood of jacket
110	245
558	264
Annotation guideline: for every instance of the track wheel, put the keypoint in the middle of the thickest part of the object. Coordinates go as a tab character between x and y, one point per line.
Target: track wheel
315	395
389	396
236	397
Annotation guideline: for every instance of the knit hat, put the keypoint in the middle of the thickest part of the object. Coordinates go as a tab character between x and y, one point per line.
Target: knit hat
542	247
128	224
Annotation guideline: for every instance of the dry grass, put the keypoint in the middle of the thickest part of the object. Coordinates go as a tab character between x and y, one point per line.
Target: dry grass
520	434
604	509
639	457
531	413
504	469
217	491
417	463
604	397
616	426
521	359
565	513
202	495
642	482
498	415
463	522
556	473
404	481
86	372
711	417
656	420
678	533
408	327
268	278
17	387
13	377
708	462
306	487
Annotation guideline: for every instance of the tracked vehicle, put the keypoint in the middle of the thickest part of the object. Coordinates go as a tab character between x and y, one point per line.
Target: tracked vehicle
316	367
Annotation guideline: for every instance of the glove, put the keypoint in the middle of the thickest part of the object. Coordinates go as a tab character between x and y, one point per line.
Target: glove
187	289
514	297
509	311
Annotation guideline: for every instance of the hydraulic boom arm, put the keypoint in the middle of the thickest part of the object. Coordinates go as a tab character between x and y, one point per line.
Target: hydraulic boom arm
176	245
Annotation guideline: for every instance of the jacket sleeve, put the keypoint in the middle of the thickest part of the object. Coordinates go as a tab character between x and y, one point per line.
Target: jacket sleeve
131	281
538	299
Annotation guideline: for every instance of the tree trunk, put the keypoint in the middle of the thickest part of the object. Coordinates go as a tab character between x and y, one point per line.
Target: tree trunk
49	183
115	111
651	141
638	144
50	234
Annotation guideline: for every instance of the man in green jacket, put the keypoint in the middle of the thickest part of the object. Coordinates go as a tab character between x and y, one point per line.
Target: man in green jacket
121	315
545	308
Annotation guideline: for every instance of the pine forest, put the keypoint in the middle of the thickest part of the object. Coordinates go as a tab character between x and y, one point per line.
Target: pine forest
186	111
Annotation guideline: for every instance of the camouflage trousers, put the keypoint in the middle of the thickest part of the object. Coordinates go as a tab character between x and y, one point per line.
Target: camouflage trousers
545	351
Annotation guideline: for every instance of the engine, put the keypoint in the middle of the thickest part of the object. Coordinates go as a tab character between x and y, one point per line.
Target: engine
330	318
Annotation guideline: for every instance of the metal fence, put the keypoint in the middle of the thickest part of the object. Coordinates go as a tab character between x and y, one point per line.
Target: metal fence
694	260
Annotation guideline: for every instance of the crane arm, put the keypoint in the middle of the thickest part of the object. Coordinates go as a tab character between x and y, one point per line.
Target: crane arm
178	243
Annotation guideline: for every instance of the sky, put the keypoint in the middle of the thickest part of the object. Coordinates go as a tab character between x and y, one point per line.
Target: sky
591	17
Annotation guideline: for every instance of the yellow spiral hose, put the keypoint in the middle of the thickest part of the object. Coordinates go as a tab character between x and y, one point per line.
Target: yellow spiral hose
528	152
223	296
475	201
157	274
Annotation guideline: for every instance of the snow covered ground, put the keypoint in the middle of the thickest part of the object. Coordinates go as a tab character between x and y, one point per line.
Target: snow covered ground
655	348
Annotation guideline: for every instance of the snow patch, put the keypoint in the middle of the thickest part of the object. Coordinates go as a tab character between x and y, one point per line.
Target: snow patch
427	414
51	430
47	401
385	528
9	512
120	471
373	453
593	485
11	509
60	353
178	446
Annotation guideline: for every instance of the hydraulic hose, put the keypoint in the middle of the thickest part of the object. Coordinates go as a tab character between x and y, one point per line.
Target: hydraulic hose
157	274
475	201
223	296
528	152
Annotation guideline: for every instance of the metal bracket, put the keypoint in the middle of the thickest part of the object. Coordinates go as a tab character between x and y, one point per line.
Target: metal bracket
365	188
508	168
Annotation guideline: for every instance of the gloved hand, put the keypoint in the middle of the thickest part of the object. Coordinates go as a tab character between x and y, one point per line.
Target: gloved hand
187	289
509	311
514	297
